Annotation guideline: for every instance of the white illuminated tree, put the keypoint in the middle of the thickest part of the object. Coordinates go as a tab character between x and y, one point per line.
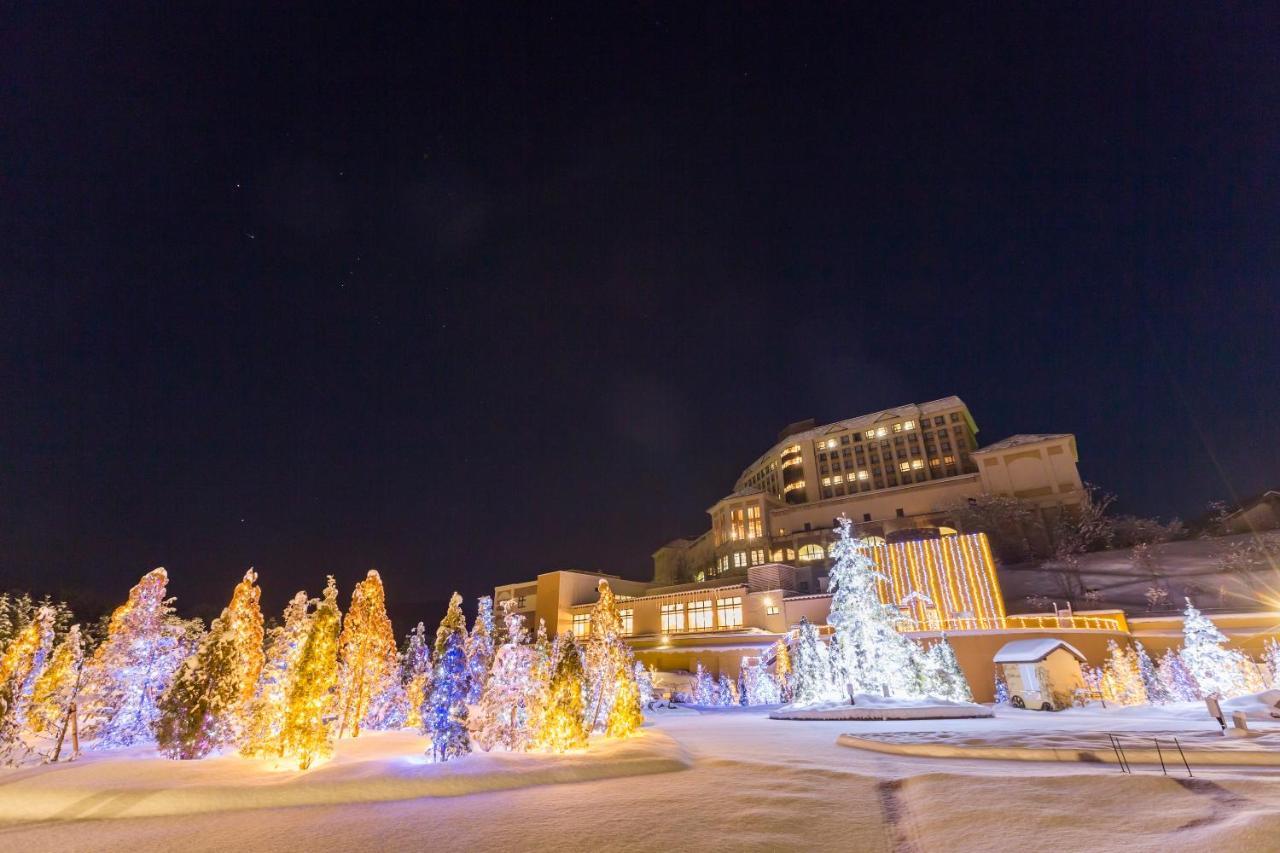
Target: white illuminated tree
812	668
1219	671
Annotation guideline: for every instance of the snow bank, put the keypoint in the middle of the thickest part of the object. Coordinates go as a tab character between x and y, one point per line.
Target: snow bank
376	767
869	707
1257	706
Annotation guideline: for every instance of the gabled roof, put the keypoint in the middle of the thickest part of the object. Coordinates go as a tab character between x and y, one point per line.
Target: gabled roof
1033	651
1023	438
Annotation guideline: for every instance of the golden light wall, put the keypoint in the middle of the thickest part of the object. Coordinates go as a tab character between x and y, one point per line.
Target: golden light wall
947	579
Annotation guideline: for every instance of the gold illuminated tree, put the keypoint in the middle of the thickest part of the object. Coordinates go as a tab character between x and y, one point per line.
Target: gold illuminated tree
453	622
265	711
307	733
204	707
416	671
20	667
368	664
562	726
608	664
782	669
55	689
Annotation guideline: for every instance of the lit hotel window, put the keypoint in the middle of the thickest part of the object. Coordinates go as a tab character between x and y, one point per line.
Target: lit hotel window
881	432
581	624
908	424
771	610
776	556
950	460
831	443
935	462
863	475
798	484
729	612
700	615
809	553
837	479
794	460
722	564
917	464
897	427
628	620
904	466
737	530
755	528
672	618
826	481
757	556
739	559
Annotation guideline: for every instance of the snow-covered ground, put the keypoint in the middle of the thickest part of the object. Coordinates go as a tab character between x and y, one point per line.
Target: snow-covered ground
727	779
868	707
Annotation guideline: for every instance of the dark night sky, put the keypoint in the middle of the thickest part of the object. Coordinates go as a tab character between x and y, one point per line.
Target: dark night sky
471	295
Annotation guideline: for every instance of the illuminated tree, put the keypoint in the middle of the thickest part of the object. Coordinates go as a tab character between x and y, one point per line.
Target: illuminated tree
704	686
203	708
878	657
55	689
607	661
21	665
562	725
1156	692
1002	687
446	710
1271	656
1219	671
1121	679
812	667
783	671
945	678
310	708
415	667
759	685
727	691
1178	682
368	665
132	668
266	710
452	622
644	683
479	649
501	717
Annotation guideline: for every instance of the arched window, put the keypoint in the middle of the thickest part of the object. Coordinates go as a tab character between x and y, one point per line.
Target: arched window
872	541
777	556
809	553
948	531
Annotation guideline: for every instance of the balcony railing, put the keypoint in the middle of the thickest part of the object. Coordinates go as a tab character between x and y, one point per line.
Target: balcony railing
1088	623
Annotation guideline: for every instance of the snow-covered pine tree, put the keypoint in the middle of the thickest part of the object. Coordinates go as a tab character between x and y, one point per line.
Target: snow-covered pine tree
203	708
1219	671
812	667
946	679
626	715
727	693
452	622
479	649
265	711
1002	687
563	726
445	713
308	730
368	664
1156	692
761	688
1121	679
415	669
704	686
644	683
502	714
55	689
783	671
1271	657
6	621
1178	682
21	665
131	669
607	661
881	657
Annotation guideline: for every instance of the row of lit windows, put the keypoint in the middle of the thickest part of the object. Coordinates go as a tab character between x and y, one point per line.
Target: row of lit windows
798	484
745	524
881	432
582	622
698	615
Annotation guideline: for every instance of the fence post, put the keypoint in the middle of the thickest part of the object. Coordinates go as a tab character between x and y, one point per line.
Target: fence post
1163	769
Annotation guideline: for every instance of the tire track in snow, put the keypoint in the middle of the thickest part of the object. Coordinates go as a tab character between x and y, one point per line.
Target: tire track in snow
894	808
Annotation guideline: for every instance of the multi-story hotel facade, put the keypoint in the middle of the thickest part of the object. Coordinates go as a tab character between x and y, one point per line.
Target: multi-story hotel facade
733	591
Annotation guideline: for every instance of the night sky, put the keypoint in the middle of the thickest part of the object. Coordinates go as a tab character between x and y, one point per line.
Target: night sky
470	295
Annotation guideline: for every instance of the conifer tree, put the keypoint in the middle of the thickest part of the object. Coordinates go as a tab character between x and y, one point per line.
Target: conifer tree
21	665
368	665
1121	679
1002	687
6	621
563	727
1156	692
446	714
266	710
1176	679
644	683
501	716
452	622
1271	657
479	649
704	687
880	657
760	687
783	671
132	667
415	668
728	691
946	679
1219	671
812	667
203	709
55	689
307	733
607	661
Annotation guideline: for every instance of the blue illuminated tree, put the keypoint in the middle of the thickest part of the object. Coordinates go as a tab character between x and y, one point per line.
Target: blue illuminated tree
445	714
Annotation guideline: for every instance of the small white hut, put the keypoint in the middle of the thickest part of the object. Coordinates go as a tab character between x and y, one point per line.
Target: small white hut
1041	674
